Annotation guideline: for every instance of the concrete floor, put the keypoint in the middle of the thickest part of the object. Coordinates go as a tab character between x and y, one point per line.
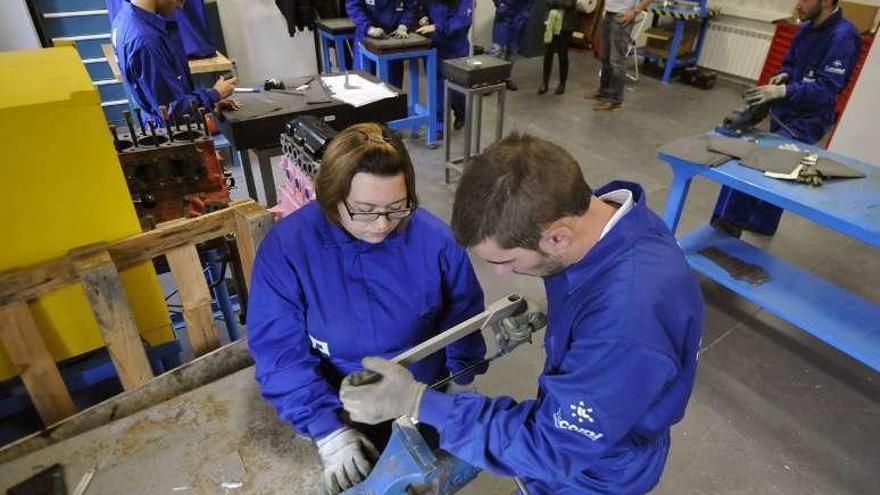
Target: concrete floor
774	410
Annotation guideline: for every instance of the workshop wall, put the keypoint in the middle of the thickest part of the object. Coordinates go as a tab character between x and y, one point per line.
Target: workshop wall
856	135
16	28
257	40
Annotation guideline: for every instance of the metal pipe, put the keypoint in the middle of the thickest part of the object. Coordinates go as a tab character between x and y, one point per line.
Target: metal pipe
127	116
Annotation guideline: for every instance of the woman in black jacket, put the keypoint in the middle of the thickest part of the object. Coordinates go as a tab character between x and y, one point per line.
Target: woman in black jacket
560	23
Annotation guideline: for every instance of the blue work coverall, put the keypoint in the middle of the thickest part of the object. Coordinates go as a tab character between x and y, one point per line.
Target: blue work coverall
511	17
191	24
321	300
624	329
819	64
386	14
453	20
154	66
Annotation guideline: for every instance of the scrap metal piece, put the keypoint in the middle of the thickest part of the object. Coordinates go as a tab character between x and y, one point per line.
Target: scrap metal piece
738	269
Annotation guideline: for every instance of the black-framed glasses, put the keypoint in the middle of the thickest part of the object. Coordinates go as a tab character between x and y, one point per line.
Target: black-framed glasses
372	216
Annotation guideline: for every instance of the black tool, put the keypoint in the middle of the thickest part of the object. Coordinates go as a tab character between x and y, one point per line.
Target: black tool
163	111
137	115
127	116
152	124
270	84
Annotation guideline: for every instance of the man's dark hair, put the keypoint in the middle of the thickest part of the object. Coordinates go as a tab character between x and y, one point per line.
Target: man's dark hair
515	189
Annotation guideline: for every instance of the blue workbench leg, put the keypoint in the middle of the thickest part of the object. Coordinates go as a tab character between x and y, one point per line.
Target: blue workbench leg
675	199
325	54
358	61
701	39
340	54
382	70
672	56
413	96
221	293
431	83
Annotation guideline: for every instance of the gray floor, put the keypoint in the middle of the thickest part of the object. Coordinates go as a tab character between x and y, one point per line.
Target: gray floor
774	410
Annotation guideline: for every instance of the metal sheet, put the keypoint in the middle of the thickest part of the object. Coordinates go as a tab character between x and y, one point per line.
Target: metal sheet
188	445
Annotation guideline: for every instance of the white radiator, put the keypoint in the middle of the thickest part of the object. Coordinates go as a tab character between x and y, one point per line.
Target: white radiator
735	50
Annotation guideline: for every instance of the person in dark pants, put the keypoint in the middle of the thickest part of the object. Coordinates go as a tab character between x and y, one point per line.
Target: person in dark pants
447	23
803	94
561	22
508	27
615	34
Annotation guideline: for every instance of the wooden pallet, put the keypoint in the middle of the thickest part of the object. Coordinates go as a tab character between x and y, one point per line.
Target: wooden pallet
97	268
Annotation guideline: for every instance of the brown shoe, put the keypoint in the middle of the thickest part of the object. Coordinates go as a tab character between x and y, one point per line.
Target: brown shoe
607	106
595	95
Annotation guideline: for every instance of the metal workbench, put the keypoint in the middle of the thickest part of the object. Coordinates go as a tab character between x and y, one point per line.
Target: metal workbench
840	318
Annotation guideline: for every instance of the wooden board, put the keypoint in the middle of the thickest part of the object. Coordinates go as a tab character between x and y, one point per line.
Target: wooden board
217	63
28	353
186	269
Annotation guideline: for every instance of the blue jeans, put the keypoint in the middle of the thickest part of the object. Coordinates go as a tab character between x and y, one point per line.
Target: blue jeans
614	40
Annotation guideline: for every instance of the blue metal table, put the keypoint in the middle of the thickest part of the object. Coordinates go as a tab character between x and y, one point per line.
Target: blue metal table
683	12
840	318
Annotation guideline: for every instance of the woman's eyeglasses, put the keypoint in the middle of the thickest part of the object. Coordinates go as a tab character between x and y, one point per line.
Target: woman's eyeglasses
372	216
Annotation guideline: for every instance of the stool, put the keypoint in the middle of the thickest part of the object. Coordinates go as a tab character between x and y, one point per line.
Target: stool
473	115
338	31
418	114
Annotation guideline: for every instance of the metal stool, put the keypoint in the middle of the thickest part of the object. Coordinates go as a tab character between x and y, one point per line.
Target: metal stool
473	115
338	31
418	114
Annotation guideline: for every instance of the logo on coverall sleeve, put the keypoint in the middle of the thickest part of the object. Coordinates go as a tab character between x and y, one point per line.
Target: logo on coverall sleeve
580	415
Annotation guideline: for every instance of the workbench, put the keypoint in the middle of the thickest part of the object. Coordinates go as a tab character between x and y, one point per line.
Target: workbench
218	432
683	11
840	318
258	125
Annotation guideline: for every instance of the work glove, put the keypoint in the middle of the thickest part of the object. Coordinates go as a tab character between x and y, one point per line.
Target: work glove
401	32
455	388
348	457
424	21
780	78
426	30
396	394
375	32
764	94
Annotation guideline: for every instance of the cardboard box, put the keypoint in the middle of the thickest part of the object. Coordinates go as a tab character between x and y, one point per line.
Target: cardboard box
863	16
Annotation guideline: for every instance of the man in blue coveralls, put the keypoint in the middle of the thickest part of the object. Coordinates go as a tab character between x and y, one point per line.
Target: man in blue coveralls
508	27
625	318
192	25
803	95
382	19
154	65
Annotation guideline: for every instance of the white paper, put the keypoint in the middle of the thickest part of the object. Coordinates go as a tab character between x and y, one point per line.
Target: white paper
360	91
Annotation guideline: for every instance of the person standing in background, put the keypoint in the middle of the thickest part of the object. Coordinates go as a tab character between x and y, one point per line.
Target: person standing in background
560	24
382	19
615	34
508	27
447	23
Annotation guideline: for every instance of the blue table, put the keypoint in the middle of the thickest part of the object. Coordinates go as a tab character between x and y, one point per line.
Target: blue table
842	319
683	12
417	114
339	40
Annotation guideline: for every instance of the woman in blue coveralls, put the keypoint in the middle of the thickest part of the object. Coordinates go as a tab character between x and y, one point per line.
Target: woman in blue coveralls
447	23
362	271
381	19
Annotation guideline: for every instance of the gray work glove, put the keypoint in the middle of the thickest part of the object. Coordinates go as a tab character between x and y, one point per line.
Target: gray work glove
348	457
396	394
375	32
780	78
401	32
764	94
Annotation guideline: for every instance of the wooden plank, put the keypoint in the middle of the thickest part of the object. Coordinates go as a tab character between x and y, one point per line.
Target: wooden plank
107	48
189	376
252	222
148	245
28	353
29	283
109	302
217	63
186	269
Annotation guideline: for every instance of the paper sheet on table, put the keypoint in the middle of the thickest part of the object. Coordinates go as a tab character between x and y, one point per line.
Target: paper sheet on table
361	92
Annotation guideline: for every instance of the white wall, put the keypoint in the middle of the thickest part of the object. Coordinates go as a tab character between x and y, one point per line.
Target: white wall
16	28
857	133
256	38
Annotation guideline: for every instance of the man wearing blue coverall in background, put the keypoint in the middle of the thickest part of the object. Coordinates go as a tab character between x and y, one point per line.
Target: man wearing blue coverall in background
191	23
155	67
508	28
625	318
802	96
447	23
381	19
